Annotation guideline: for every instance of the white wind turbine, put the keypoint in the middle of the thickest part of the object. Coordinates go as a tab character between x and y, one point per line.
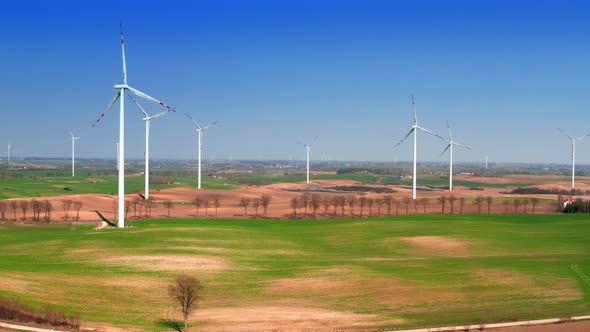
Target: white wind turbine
308	153
450	148
199	131
74	138
121	154
415	128
147	120
8	159
573	153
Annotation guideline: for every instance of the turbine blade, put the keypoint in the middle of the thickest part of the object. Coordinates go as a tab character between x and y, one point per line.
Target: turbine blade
414	109
139	106
563	132
190	117
461	145
403	139
428	131
445	150
145	96
209	125
159	115
123	55
71	133
450	134
582	137
108	107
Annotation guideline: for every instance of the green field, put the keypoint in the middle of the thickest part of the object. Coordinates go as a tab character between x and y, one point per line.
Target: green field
409	271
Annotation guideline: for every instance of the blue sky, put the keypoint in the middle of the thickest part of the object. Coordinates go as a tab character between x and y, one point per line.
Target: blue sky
505	74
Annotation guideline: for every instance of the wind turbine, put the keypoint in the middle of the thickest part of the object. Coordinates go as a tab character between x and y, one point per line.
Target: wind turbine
74	138
121	154
147	120
450	148
573	153
8	154
308	153
200	133
415	128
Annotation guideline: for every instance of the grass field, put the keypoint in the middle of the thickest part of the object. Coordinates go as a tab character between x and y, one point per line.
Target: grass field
397	272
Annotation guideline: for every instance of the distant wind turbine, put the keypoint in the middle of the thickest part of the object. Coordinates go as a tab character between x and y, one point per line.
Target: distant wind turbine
121	154
415	128
74	138
308	153
8	159
573	153
450	148
199	131
147	120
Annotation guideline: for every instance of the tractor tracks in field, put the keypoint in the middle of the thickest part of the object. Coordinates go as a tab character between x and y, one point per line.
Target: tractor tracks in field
581	273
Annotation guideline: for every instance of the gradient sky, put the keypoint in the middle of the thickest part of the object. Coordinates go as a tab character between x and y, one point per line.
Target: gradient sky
505	74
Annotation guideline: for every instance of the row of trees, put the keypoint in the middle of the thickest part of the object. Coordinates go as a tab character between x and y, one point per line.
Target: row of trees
15	210
257	202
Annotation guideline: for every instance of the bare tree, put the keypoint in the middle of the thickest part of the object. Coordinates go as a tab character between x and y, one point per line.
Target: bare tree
516	203
478	202
388	200
127	208
351	200
525	203
326	203
265	201
406	201
443	203
169	206
316	201
134	205
148	204
66	204
24	207
370	203
379	202
186	292
362	203
397	205
256	205
206	205
342	204
14	208
3	211
506	204
534	202
35	207
294	205
490	201
78	206
461	204
48	207
452	199
197	202
216	203
244	202
305	199
424	202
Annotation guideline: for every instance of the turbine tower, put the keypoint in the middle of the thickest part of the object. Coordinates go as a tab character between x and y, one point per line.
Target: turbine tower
8	154
147	120
308	153
415	128
199	131
74	138
573	153
450	148
121	154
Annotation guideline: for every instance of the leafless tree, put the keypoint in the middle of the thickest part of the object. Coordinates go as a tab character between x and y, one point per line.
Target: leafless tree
397	205
216	203
506	204
424	202
244	202
48	207
127	207
379	203
342	204
3	211
452	199
78	206
443	203
335	203
197	202
206	205
316	201
362	202
265	201
525	203
516	203
24	206
66	204
490	201
148	204
407	201
326	203
534	202
388	200
351	200
35	206
134	205
461	204
14	208
305	201
186	292
256	205
294	203
169	206
478	202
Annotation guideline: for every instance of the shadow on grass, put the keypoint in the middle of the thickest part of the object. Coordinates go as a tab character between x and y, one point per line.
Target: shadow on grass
176	325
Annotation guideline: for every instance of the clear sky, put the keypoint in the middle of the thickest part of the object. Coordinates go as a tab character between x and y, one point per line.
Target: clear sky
505	74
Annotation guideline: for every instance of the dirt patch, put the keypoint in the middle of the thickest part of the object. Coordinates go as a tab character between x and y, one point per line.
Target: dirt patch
438	244
283	318
13	283
188	263
309	285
